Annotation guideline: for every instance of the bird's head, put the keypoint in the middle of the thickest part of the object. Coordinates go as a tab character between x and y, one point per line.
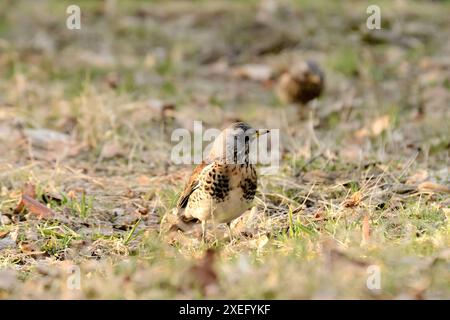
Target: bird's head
233	143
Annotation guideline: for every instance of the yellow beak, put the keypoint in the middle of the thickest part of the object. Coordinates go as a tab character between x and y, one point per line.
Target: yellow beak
261	132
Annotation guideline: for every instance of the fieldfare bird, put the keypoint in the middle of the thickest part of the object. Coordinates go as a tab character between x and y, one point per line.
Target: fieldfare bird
303	82
223	186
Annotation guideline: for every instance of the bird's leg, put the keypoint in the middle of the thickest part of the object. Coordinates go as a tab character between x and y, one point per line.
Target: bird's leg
204	231
230	234
302	110
312	134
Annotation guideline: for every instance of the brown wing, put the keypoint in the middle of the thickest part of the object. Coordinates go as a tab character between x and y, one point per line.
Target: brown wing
192	184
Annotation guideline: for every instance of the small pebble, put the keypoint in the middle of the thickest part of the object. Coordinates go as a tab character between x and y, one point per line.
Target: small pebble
5	220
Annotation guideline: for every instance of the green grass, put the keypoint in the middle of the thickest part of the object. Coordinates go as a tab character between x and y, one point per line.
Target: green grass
346	61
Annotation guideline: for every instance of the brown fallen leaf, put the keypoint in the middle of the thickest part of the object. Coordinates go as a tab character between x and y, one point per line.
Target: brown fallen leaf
379	125
143	180
429	186
417	177
256	72
76	149
143	211
3	234
354	200
30	249
446	212
130	193
375	128
28	189
36	207
72	194
220	67
19	208
351	153
259	243
110	150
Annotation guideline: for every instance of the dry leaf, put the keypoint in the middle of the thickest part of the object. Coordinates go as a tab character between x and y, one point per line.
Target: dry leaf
111	150
379	125
362	133
28	189
36	207
319	215
257	72
375	128
143	180
219	67
429	186
30	249
72	194
447	212
76	149
262	241
351	153
3	234
354	200
417	177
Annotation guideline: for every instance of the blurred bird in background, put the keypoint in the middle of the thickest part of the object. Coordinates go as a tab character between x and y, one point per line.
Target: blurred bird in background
303	82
